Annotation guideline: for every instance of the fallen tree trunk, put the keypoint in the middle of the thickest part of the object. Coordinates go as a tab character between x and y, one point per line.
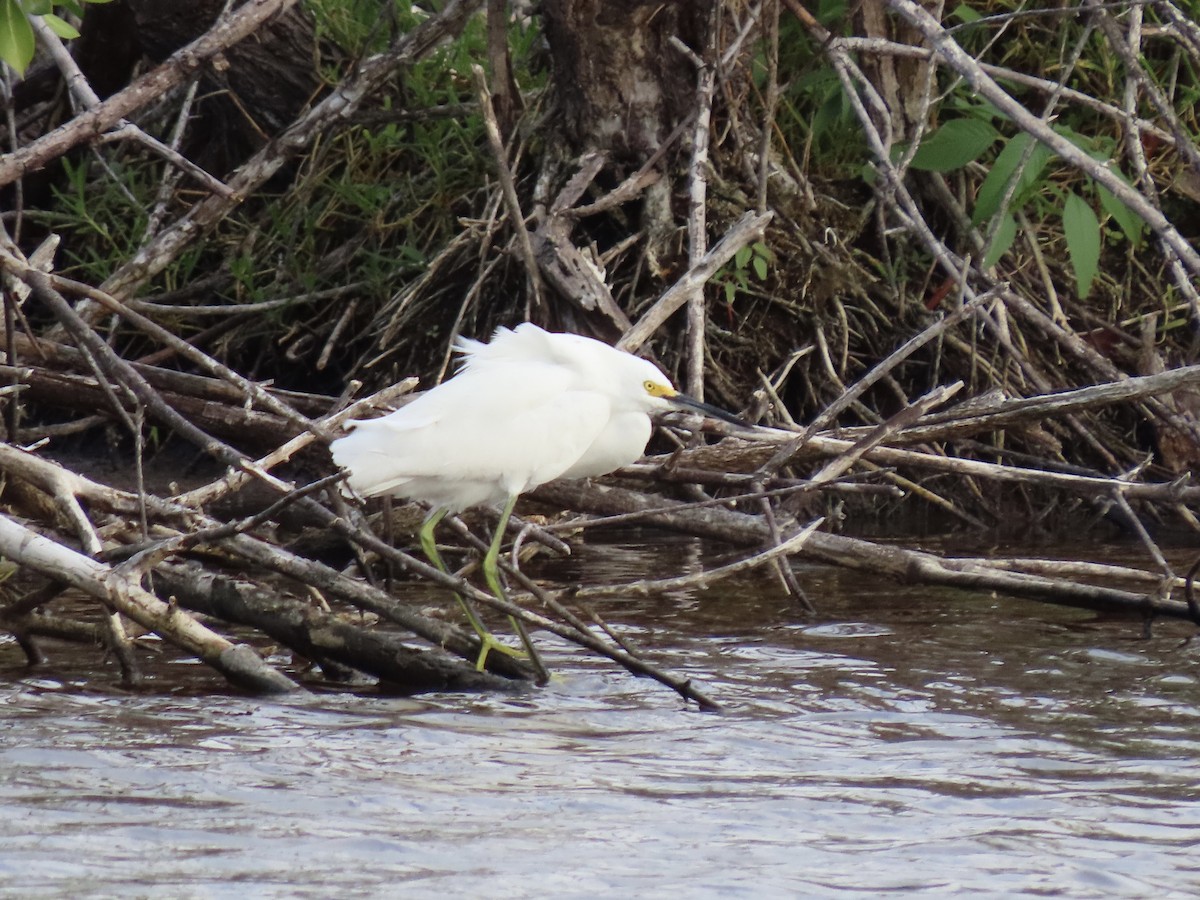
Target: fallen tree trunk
121	591
908	566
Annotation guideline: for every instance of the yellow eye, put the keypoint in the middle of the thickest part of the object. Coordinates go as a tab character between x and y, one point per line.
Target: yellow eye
649	386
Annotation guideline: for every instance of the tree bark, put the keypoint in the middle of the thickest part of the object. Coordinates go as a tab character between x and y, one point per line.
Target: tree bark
619	83
255	90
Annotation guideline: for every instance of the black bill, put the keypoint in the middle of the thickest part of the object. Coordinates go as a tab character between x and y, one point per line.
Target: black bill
685	402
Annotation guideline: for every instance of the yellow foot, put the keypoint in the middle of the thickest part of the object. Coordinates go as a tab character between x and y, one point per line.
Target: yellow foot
489	643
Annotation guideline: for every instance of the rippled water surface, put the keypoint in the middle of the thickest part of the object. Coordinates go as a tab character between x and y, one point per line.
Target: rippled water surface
907	740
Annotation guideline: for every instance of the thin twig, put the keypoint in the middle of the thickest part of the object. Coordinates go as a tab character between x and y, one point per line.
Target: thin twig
515	217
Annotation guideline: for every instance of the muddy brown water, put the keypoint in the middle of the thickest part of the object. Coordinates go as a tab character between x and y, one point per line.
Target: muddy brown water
907	741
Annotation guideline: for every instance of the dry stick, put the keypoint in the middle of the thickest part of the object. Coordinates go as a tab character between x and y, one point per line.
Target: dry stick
342	102
28	602
335	334
1001	411
215	416
1135	151
651	586
879	371
919	490
748	26
126	375
41	285
1184	29
15	294
743	453
508	96
180	66
787	578
1128	51
584	634
744	231
904	565
235	479
234	309
697	204
24	630
874	46
145	559
1072	343
1143	535
573	273
250	389
910	566
1062	336
962	63
1190	594
321	635
239	663
507	187
843	66
884	431
1076	568
51	477
77	84
171	177
631	188
772	100
657	473
910	213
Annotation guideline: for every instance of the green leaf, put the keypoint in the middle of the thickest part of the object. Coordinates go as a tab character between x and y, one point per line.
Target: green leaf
760	268
63	29
742	258
964	13
991	192
1128	221
1001	241
955	144
16	36
1083	241
827	116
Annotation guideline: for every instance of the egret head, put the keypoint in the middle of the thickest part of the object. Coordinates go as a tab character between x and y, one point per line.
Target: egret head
658	394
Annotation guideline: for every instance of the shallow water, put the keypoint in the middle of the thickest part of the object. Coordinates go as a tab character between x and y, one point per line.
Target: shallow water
907	740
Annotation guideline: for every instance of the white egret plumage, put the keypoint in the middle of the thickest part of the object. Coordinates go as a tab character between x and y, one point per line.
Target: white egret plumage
527	408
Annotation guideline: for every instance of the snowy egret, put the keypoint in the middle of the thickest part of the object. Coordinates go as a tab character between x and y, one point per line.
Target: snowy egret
527	408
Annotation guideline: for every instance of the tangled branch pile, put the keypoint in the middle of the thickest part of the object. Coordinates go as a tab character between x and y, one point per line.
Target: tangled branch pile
1021	242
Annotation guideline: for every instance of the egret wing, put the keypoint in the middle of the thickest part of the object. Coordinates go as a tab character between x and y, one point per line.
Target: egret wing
487	433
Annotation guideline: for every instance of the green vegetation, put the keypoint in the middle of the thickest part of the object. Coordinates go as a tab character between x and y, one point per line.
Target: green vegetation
16	35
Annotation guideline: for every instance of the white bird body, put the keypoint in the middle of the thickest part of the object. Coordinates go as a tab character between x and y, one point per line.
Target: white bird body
527	408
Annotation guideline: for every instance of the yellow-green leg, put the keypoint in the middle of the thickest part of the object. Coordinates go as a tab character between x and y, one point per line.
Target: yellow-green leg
487	640
492	575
